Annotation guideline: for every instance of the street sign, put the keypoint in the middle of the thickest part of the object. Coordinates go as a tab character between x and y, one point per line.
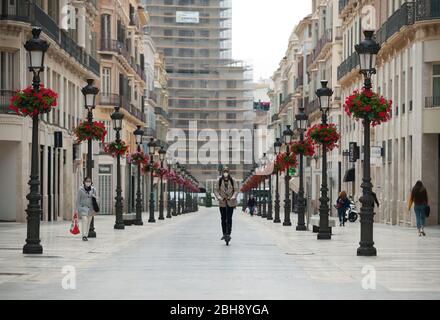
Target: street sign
353	152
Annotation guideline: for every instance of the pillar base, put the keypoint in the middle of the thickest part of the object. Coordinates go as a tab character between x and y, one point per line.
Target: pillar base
32	248
276	221
119	226
301	228
287	224
367	252
324	236
138	223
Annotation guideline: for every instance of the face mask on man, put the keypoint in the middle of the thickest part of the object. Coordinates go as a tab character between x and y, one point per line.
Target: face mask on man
225	175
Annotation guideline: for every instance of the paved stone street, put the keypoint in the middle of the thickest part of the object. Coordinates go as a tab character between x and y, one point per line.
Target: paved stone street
183	258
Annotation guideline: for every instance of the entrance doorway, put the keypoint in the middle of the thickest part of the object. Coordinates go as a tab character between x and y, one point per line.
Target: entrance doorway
105	187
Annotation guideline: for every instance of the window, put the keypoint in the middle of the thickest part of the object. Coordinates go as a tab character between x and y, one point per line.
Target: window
168	52
231	84
231	102
204	33
106	81
390	151
105	26
8	72
168	33
436	84
231	116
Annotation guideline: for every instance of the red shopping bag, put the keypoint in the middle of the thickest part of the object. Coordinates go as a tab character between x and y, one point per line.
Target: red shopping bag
74	229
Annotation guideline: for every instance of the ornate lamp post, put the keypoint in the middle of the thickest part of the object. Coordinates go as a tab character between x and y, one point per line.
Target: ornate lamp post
324	95
277	147
367	51
152	150
269	202
162	154
117	118
260	199
138	133
36	48
174	166
263	164
287	136
302	121
169	204
90	92
179	207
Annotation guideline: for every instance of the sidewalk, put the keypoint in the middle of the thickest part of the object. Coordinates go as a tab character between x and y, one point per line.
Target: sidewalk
183	258
61	248
404	262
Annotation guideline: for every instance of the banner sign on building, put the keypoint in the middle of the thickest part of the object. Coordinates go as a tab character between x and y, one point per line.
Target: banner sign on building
353	152
187	17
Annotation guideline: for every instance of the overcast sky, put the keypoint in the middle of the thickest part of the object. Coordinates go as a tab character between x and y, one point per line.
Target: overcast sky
261	30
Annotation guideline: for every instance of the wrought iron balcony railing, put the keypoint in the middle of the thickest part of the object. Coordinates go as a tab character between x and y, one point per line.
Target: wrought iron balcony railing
312	106
349	64
5	97
432	102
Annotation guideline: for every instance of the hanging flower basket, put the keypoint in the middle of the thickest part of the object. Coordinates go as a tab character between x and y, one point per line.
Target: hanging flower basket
366	104
326	135
306	148
28	102
95	131
285	161
138	158
116	148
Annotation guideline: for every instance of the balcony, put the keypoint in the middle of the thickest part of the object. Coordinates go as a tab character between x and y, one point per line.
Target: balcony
152	96
21	12
327	37
149	132
5	97
408	14
348	65
312	106
135	112
431	115
110	99
432	102
161	112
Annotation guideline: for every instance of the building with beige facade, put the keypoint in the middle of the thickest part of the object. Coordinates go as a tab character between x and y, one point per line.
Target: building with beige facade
70	60
123	83
407	148
408	73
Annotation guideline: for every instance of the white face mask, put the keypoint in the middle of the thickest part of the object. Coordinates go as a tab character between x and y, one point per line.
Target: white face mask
88	184
225	174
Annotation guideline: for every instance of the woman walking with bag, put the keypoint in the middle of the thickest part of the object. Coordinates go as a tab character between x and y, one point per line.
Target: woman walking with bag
86	204
226	194
419	197
342	204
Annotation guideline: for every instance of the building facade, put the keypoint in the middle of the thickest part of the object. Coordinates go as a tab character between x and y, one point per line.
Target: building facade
123	83
207	89
70	60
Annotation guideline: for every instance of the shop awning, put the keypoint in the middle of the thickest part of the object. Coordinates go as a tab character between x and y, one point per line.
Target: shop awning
350	175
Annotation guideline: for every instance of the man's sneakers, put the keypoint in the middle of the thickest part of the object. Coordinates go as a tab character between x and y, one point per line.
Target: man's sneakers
223	238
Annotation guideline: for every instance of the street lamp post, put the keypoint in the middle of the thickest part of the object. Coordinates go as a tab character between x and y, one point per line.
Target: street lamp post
152	151
263	164
139	133
324	95
169	204
277	147
90	92
36	48
179	208
260	200
287	135
174	165
301	123
117	118
162	154
367	51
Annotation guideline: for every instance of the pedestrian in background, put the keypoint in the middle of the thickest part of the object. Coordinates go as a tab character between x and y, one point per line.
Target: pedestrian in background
251	205
419	197
342	204
226	194
85	207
